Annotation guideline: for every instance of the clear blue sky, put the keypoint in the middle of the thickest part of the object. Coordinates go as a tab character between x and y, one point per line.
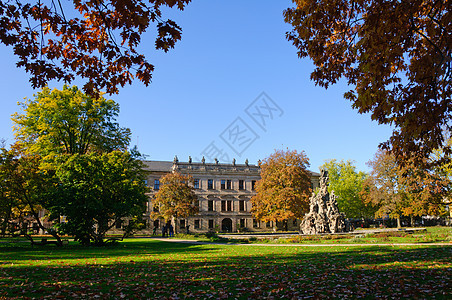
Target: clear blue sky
231	52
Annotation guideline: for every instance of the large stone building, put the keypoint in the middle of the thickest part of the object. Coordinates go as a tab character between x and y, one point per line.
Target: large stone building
224	192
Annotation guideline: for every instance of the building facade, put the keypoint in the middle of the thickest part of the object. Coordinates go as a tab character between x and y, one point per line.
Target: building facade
224	192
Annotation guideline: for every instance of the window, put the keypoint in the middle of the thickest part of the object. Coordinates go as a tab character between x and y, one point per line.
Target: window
210	184
146	182
210	205
197	224
242	223
182	224
226	205
255	223
223	184
228	184
268	225
242	205
156	185
196	184
210	224
294	222
253	185
241	185
155	208
118	224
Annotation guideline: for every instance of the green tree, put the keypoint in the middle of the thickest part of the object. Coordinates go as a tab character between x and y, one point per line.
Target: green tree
95	40
25	191
347	183
396	54
96	192
81	152
283	191
69	122
404	190
176	197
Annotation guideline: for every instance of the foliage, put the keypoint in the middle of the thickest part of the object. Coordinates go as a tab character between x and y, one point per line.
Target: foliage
409	189
146	268
396	54
75	164
283	191
347	184
25	190
176	197
98	41
69	122
97	191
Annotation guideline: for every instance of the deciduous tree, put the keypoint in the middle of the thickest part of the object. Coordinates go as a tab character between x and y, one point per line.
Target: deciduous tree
25	191
347	183
69	122
283	191
396	54
96	40
404	190
96	191
176	197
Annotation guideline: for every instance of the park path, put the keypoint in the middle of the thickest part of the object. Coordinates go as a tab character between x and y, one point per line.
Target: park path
194	242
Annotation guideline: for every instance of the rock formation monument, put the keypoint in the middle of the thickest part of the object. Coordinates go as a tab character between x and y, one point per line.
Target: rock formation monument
323	216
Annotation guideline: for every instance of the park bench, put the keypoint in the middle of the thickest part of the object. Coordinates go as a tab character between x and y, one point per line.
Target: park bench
44	241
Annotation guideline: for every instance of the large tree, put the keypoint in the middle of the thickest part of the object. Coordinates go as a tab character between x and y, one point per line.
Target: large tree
96	40
347	183
396	54
404	190
81	150
175	198
96	192
67	121
26	190
283	191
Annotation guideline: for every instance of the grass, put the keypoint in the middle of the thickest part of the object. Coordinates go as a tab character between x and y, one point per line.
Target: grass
431	235
147	268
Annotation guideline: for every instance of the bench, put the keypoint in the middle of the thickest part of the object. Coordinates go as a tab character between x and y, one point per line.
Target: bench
44	241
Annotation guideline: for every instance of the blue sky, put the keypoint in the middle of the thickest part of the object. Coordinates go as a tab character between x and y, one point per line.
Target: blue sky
231	52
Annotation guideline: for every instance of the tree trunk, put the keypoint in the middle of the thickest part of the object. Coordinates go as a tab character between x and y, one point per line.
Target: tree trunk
412	221
398	223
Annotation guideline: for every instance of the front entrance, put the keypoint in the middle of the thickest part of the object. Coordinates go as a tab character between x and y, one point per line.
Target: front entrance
226	225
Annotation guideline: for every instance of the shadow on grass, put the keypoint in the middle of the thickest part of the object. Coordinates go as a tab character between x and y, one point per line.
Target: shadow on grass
152	269
15	252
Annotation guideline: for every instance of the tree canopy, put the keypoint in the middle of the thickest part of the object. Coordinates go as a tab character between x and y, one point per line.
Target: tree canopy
71	160
176	197
69	122
347	184
397	55
96	192
284	189
95	40
404	190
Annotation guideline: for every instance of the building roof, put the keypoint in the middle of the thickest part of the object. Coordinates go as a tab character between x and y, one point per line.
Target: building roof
163	166
167	166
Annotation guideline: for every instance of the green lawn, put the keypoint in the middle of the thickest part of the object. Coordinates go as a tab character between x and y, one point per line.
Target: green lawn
146	268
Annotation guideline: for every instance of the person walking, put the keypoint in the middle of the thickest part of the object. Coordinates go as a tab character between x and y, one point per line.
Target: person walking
171	230
163	230
154	232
